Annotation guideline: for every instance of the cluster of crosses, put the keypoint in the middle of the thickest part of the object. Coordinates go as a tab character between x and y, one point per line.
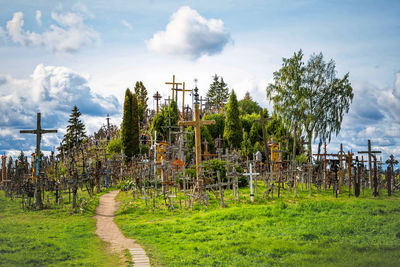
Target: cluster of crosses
161	174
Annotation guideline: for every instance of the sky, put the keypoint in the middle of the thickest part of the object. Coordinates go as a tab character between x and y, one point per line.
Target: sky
57	54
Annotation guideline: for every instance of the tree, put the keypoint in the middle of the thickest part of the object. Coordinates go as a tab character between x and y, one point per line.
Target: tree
233	126
167	117
141	93
75	130
130	125
310	96
218	93
248	106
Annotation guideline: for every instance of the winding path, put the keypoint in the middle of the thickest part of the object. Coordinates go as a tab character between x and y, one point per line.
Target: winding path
109	232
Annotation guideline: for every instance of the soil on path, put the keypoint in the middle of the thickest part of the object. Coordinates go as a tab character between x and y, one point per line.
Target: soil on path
109	232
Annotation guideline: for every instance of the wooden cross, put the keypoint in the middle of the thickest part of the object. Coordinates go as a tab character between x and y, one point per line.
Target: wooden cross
370	155
197	123
263	121
183	98
157	97
251	173
39	131
3	168
207	154
173	83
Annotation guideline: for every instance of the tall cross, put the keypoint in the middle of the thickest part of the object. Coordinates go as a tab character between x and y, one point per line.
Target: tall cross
251	173
157	97
183	99
391	161
370	155
197	123
39	131
263	121
173	83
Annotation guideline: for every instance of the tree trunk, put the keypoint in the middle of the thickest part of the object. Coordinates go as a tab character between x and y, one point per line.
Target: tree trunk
309	161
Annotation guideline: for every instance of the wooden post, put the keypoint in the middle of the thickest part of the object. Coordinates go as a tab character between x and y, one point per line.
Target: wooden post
157	97
173	83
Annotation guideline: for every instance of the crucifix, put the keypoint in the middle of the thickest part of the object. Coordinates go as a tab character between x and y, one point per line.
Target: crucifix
251	173
263	121
370	155
39	131
391	161
197	123
157	97
173	83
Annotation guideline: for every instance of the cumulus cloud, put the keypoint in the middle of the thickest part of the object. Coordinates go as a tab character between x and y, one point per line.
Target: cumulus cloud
67	36
53	91
190	34
126	24
39	17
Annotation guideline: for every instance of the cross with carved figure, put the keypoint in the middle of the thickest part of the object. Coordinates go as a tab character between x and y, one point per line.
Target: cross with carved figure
196	123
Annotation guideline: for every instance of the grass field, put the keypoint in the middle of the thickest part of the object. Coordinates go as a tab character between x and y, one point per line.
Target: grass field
50	237
305	231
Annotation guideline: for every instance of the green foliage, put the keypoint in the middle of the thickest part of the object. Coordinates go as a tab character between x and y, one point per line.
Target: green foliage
75	131
217	128
233	125
130	125
247	121
218	93
248	106
144	149
301	159
256	134
141	93
114	146
246	149
168	116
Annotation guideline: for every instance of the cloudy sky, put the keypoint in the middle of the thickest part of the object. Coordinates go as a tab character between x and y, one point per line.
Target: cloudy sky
55	54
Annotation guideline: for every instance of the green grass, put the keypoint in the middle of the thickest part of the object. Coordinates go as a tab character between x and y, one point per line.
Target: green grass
305	231
50	237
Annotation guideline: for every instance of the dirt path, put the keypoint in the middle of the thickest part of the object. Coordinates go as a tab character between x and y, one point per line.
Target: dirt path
108	231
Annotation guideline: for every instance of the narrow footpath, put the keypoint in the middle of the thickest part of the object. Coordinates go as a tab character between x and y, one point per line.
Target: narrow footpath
109	232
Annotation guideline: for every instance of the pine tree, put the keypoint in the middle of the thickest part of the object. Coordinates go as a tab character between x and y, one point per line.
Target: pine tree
75	130
233	126
218	93
141	93
130	125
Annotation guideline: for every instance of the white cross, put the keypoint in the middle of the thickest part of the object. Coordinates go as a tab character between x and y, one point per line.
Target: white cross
251	173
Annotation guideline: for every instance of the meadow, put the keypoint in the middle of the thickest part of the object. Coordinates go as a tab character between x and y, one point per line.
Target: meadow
317	230
51	237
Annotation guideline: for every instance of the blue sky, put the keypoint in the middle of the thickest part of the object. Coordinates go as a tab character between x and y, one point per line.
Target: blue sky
55	54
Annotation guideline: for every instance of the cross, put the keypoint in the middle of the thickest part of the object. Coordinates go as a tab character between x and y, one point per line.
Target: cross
169	127
39	131
173	85
197	123
167	101
370	154
263	121
207	154
183	98
251	173
391	161
3	168
157	97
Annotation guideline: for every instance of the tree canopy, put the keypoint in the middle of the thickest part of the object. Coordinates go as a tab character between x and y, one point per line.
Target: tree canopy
233	132
75	130
218	93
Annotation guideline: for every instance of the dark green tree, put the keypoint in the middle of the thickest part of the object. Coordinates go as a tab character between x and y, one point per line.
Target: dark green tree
216	130
233	127
141	93
130	125
218	93
75	131
248	106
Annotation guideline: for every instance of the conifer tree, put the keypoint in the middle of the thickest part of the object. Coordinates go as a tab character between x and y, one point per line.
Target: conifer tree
218	93
130	125
75	130
233	126
141	93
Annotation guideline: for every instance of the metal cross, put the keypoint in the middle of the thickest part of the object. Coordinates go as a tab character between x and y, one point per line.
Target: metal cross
251	173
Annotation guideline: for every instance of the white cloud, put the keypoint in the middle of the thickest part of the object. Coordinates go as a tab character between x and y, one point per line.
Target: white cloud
68	36
190	34
126	24
38	17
